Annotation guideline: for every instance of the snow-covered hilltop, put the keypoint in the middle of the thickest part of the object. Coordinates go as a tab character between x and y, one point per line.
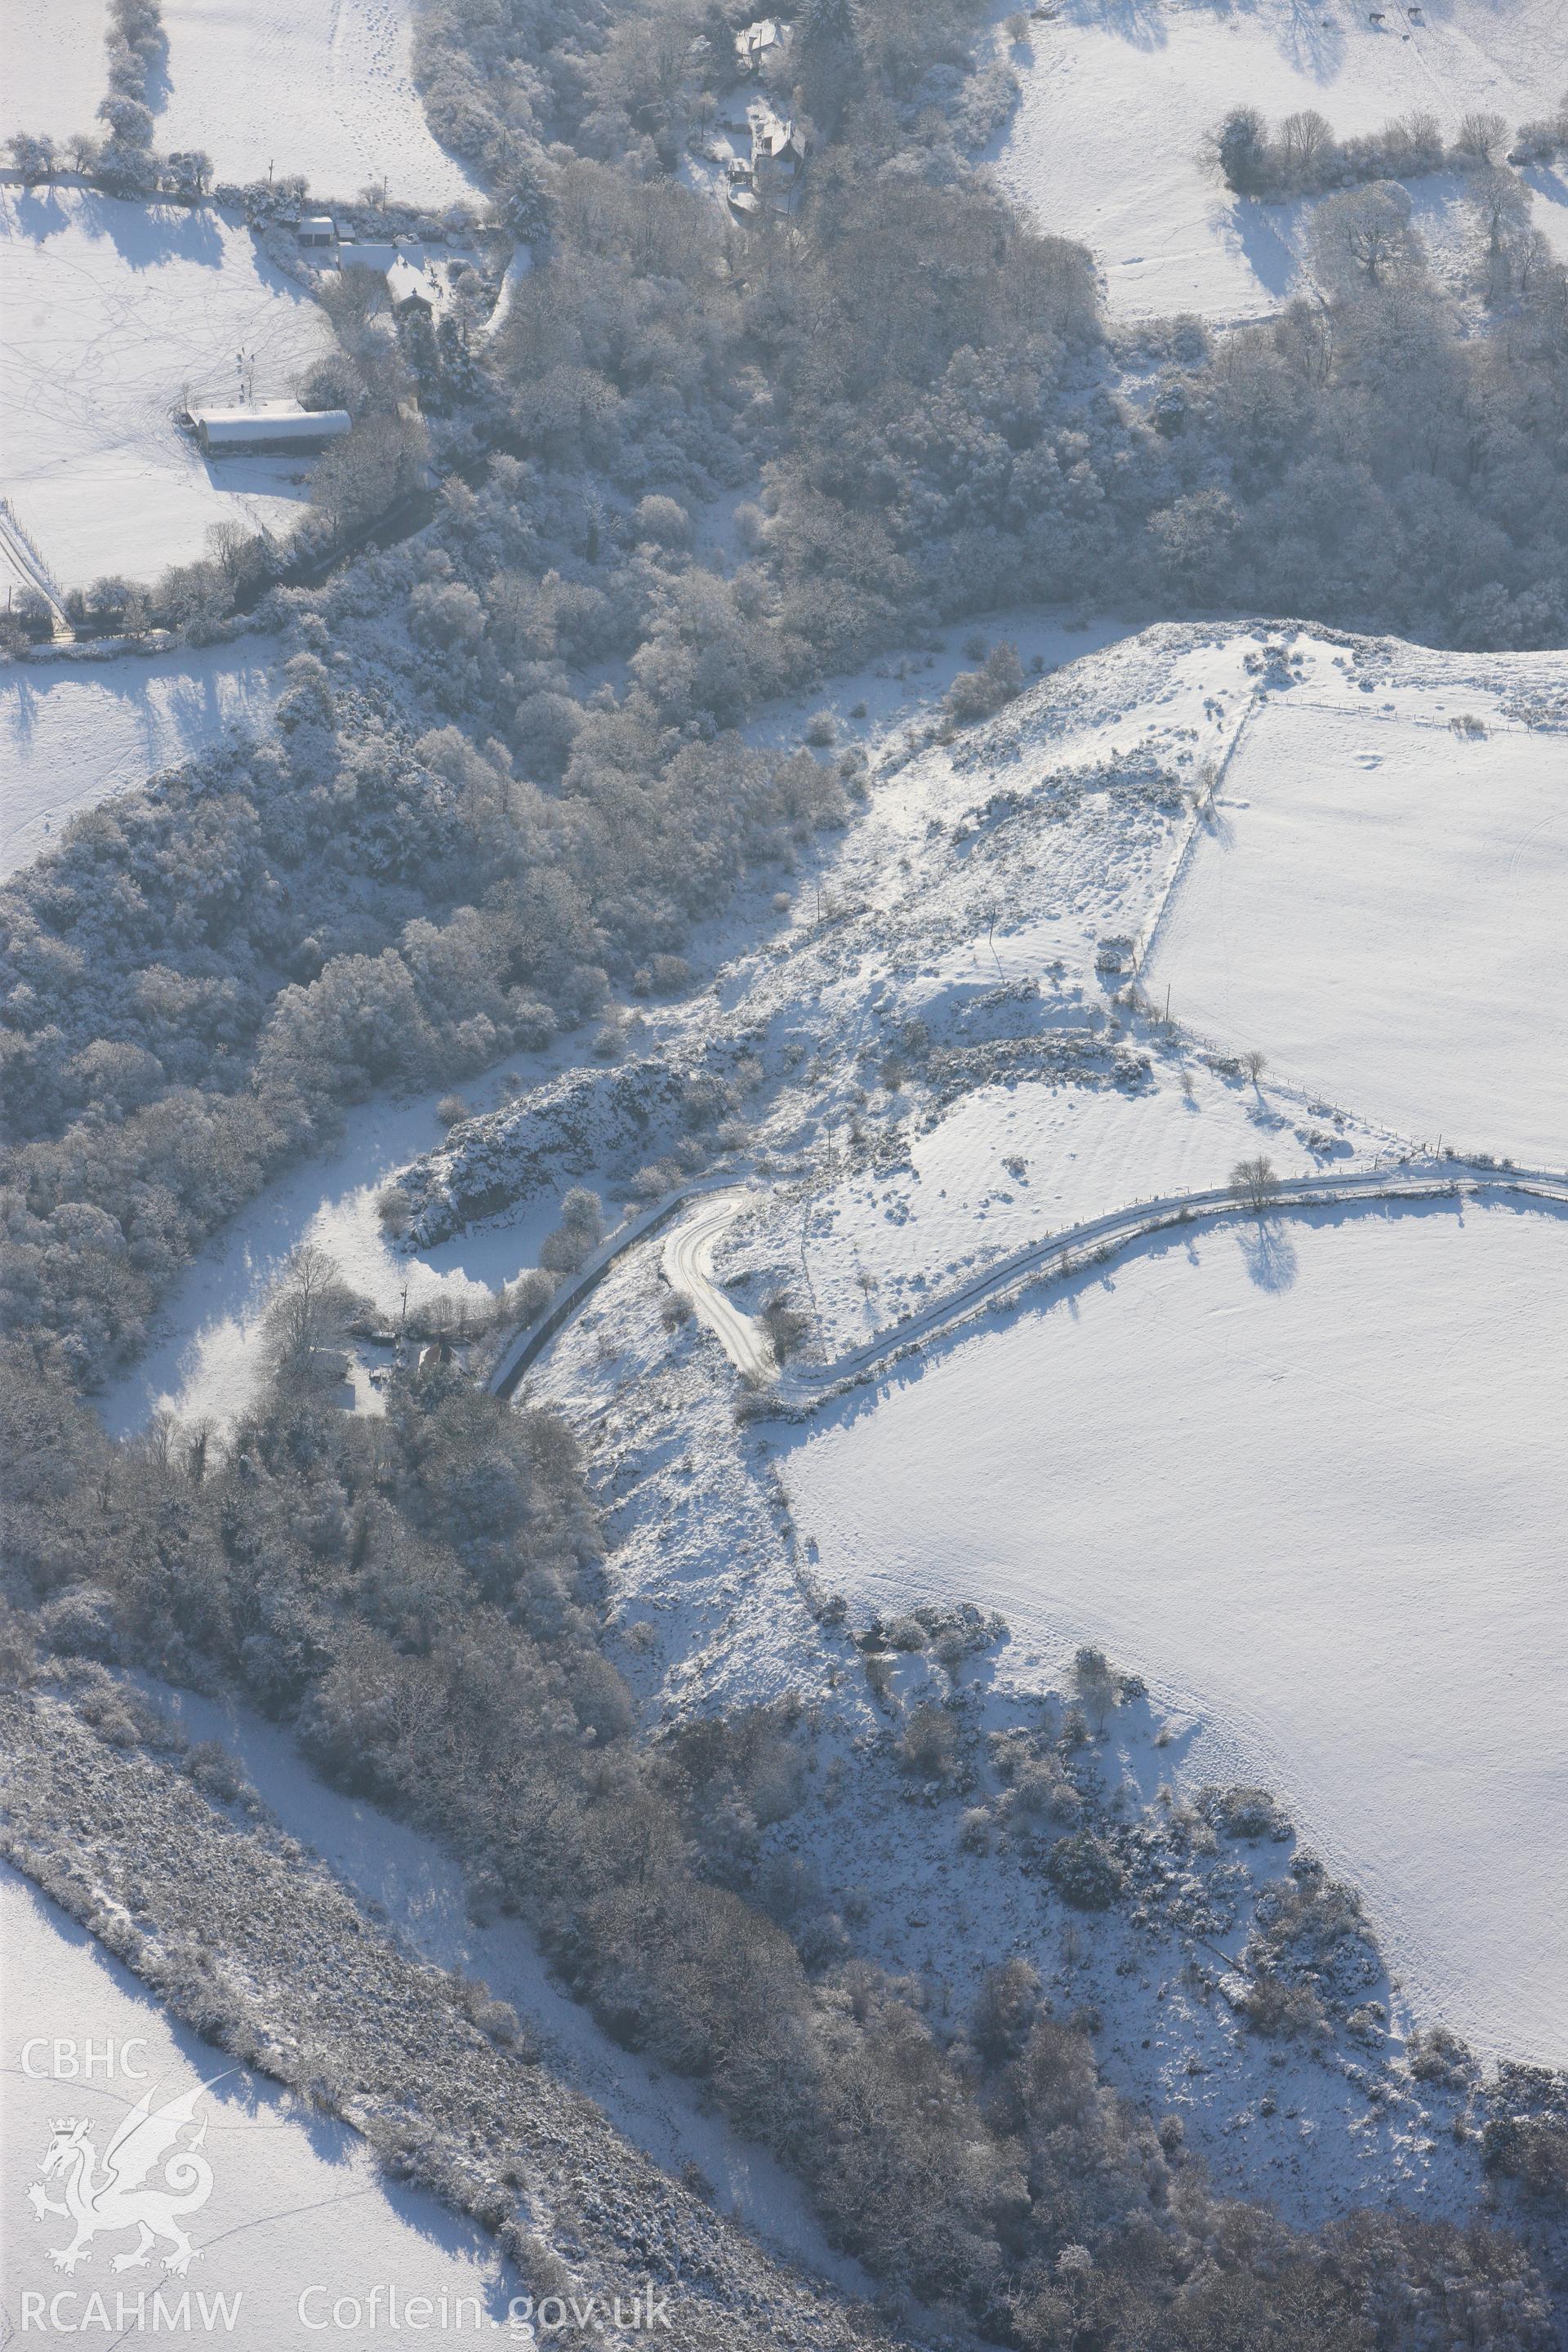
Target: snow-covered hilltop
786	1177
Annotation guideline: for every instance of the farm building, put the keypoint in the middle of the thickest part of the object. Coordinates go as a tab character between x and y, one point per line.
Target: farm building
318	230
269	425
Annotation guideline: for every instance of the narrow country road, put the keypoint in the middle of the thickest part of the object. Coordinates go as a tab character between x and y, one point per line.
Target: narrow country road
688	1264
745	1342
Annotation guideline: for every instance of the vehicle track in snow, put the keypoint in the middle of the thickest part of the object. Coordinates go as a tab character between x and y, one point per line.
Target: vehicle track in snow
687	1266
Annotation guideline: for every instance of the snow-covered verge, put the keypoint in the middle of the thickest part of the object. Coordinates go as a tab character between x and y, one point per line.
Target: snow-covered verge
1167	237
75	734
242	1932
327	92
297	2208
1377	904
55	72
130	310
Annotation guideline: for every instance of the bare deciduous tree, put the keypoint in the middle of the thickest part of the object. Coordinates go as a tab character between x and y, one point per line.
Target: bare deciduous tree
1257	1182
308	1318
1481	138
1367	229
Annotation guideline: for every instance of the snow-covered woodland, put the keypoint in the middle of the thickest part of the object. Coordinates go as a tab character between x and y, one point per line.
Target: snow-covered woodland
786	1151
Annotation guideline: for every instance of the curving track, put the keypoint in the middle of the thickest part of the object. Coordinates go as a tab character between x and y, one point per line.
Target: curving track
689	1268
687	1263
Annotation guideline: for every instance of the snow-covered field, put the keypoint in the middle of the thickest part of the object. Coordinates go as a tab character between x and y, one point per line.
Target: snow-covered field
1378	907
1310	1481
75	734
1163	72
116	312
54	72
301	87
297	2208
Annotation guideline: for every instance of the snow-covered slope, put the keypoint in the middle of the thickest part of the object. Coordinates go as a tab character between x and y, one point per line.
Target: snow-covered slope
301	86
412	1882
75	734
1104	146
118	311
1302	1478
1309	1479
968	897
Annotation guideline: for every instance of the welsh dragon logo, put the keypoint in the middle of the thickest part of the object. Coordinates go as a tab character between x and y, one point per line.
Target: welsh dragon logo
120	2196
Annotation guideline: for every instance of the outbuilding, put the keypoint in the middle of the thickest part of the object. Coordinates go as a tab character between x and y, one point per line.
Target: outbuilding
269	425
318	230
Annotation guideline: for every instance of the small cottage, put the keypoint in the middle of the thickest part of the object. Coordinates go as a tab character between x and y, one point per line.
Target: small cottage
406	283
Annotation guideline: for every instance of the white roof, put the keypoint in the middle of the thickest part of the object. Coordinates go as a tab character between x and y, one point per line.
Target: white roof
271	420
770	135
403	280
378	256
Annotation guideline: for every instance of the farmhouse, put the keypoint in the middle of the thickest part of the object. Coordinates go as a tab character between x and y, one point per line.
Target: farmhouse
759	43
378	253
778	153
268	425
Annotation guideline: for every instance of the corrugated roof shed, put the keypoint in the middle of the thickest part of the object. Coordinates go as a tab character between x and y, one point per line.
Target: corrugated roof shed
269	425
